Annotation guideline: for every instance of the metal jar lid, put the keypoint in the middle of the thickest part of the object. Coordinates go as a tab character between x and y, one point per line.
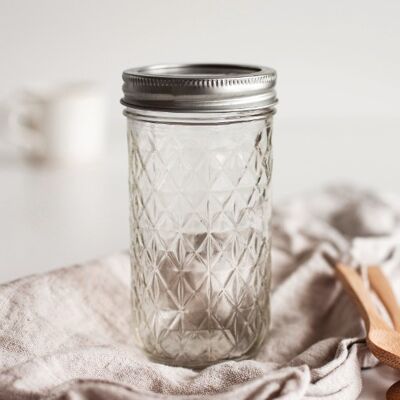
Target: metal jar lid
199	87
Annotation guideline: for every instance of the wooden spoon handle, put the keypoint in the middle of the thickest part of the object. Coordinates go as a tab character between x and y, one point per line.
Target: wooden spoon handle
355	287
382	288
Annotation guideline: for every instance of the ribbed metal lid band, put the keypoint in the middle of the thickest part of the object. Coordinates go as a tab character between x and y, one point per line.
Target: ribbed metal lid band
199	87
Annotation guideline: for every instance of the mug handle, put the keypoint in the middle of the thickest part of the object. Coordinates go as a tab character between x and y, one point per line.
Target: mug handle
21	124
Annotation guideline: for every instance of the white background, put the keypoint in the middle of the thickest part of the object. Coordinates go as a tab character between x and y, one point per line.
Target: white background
334	58
338	83
338	117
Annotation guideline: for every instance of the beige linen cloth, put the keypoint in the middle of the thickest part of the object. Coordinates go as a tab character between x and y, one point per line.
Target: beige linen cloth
65	334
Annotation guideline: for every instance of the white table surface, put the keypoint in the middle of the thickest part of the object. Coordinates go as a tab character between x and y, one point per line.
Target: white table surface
55	216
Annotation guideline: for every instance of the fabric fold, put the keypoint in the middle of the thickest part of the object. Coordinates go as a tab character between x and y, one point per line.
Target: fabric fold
66	334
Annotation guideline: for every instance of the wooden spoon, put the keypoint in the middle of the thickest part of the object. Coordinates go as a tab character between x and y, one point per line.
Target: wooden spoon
382	340
382	288
393	392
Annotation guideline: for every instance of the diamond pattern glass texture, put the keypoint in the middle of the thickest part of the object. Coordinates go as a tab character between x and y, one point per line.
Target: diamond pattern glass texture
200	240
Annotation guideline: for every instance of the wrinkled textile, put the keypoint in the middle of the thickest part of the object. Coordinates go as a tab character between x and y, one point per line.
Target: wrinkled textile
66	334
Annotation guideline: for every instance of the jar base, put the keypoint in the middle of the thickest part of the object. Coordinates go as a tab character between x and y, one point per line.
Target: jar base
201	365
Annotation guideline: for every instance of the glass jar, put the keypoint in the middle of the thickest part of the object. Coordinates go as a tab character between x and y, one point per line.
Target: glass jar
200	161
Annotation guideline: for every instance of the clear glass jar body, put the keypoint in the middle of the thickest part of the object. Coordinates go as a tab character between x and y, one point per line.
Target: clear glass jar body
200	211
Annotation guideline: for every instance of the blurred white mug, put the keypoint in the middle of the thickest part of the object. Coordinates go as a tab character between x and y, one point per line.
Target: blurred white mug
63	124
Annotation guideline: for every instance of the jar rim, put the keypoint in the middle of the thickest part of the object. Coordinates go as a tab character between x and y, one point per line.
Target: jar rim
196	118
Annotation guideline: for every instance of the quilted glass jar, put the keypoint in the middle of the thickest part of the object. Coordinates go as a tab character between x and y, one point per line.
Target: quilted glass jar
200	160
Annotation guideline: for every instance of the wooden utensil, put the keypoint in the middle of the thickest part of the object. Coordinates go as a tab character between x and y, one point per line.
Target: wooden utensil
382	288
382	340
393	392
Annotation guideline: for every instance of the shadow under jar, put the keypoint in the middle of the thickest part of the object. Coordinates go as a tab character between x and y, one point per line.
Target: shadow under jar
200	161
